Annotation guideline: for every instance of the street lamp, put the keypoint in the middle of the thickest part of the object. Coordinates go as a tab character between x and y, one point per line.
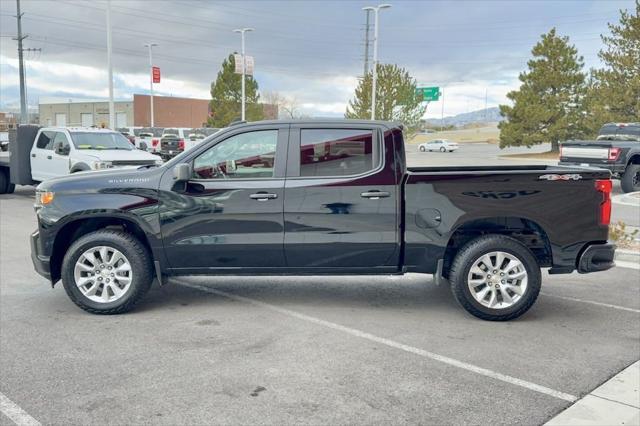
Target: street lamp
244	63
375	10
150	46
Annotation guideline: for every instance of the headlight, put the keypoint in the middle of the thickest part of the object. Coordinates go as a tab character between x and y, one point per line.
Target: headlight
99	165
43	198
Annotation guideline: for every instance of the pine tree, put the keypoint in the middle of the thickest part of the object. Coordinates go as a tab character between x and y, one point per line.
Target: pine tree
226	97
396	98
548	105
614	91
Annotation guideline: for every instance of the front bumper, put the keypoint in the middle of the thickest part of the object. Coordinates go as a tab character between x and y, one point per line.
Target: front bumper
597	257
42	264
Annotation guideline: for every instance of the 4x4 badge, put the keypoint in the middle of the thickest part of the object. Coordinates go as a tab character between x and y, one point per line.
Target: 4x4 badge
560	177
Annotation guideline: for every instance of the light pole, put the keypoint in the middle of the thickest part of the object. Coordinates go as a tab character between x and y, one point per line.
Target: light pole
375	10
112	112
244	63
150	46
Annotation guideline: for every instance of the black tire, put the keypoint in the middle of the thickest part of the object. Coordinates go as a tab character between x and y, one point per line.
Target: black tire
4	182
443	149
11	188
630	181
423	149
470	253
141	266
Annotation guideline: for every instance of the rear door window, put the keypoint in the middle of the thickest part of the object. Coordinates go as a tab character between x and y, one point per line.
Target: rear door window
45	140
336	152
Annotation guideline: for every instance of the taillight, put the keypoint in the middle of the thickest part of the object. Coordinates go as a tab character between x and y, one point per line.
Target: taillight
604	187
614	153
154	142
181	144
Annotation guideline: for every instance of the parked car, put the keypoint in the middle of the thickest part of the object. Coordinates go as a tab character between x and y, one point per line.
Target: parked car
442	145
129	137
246	201
44	153
617	148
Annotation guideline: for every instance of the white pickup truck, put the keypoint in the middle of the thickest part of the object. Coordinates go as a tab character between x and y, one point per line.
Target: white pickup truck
44	153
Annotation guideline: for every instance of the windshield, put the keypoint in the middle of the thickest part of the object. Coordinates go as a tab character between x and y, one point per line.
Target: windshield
95	140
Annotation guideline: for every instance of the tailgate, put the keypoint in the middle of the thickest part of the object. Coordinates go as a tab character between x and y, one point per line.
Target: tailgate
589	152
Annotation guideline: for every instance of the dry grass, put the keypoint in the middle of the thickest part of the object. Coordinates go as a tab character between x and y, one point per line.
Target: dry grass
549	155
489	134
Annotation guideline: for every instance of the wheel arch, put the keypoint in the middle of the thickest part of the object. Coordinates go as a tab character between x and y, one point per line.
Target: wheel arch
79	227
634	159
80	167
526	231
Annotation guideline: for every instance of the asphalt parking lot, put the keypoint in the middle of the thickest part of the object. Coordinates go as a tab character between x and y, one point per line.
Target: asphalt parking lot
316	350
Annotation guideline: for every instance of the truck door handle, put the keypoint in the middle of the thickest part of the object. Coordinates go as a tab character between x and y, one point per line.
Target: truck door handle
33	155
49	157
374	195
263	196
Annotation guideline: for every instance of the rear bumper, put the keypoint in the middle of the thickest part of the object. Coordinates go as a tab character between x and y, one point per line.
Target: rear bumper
612	167
597	257
42	264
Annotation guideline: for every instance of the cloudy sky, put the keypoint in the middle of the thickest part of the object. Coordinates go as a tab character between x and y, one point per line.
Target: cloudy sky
310	50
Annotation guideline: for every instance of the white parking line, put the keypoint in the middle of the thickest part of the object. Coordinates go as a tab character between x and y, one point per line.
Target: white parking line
387	342
592	302
15	413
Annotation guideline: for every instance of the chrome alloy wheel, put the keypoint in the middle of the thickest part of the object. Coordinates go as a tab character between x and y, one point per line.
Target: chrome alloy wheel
497	280
103	274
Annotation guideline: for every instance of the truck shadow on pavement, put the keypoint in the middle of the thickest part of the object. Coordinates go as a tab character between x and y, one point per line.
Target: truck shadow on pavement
412	294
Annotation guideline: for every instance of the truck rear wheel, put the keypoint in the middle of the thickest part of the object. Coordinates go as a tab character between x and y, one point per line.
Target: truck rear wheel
107	272
495	278
630	181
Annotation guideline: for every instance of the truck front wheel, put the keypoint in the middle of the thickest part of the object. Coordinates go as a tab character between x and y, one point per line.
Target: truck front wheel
495	278
107	272
630	181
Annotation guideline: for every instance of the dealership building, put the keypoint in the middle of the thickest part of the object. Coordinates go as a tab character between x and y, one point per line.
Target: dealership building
168	111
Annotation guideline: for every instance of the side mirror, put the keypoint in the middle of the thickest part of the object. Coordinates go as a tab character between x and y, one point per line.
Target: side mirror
63	149
182	172
142	146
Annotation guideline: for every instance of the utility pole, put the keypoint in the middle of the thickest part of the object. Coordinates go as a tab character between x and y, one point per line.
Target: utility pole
366	44
442	110
376	11
150	46
24	119
112	112
486	92
244	65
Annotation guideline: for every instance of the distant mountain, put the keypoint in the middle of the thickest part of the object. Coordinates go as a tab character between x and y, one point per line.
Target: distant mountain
489	115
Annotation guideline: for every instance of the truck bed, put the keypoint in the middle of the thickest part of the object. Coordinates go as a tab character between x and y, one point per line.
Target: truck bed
560	203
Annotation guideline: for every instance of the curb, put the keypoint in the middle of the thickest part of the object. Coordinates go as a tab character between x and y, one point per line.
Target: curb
628	256
615	402
630	199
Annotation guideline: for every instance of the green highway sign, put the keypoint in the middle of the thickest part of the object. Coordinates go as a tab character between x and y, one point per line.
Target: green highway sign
429	93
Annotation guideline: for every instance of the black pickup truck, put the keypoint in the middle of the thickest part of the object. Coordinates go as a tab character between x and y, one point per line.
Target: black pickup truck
321	197
617	148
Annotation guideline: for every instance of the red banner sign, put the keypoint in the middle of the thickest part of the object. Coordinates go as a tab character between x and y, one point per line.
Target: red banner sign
155	72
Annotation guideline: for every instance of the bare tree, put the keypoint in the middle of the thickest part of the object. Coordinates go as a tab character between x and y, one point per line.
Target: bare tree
288	107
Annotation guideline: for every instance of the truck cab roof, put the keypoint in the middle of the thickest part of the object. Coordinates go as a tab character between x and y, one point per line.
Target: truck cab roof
77	129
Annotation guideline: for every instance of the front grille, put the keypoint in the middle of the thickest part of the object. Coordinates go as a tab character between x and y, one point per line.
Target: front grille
133	163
